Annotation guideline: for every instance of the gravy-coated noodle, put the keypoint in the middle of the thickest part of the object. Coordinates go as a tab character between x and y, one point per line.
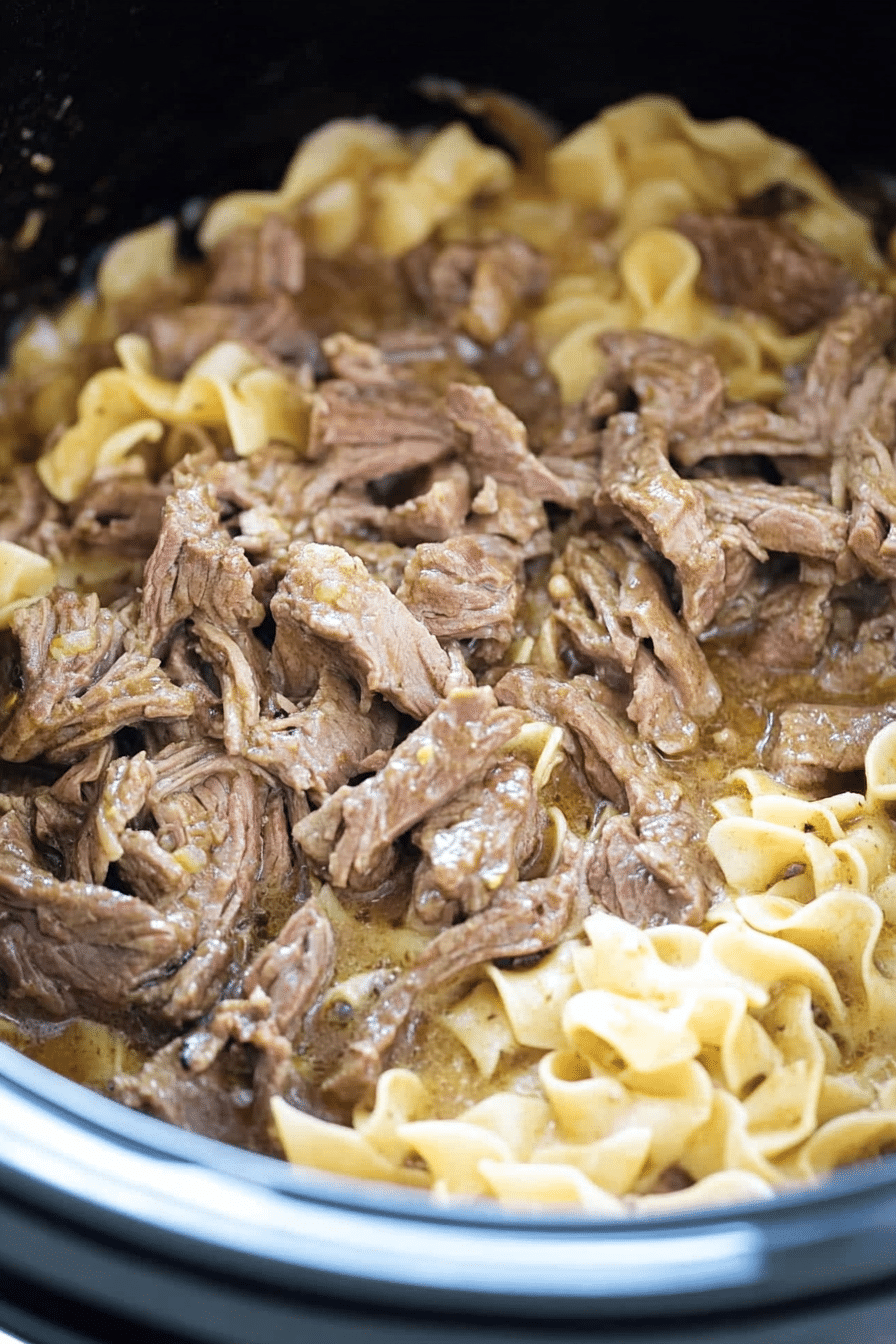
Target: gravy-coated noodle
448	638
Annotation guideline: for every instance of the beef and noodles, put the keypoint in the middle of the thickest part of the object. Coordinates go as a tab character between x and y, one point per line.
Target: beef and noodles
449	666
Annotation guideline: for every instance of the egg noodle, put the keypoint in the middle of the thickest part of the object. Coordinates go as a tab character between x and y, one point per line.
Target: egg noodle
754	1052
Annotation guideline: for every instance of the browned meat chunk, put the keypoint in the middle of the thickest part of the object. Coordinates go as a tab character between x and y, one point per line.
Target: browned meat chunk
370	430
476	844
349	837
670	513
834	398
466	588
812	741
498	445
777	517
671	838
195	567
271	326
748	429
617	611
678	386
79	686
481	289
767	266
329	595
193	1082
257	263
72	947
522	920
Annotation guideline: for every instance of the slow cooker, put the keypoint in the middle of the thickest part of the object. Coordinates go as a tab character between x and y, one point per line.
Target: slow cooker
116	1226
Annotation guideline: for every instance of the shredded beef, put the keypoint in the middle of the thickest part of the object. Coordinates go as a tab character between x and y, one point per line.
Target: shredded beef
250	263
466	588
480	289
523	919
475	844
350	835
331	599
79	685
670	845
498	445
75	947
670	513
767	266
813	740
677	386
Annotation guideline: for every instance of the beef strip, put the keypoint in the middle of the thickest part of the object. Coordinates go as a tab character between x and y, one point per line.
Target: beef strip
670	513
860	655
476	844
79	686
74	947
481	288
812	740
199	1081
465	588
671	843
498	445
435	515
118	516
318	748
350	835
747	429
777	517
257	263
195	567
29	515
678	387
793	622
124	794
502	510
767	266
365	431
522	920
269	327
673	686
330	602
863	473
833	398
208	808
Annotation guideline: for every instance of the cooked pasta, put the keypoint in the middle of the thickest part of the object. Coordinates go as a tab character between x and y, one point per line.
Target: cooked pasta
420	619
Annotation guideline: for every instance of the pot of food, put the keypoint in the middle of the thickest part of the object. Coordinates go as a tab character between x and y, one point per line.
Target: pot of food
446	626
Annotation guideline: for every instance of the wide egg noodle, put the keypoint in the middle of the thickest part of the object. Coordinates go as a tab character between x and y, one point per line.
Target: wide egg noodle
118	409
25	577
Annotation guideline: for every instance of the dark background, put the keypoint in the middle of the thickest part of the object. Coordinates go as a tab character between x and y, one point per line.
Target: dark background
142	104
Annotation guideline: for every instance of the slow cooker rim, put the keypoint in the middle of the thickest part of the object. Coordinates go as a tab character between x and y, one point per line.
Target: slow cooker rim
85	1106
369	1245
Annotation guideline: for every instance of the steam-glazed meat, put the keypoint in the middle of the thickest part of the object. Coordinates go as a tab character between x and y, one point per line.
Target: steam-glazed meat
350	834
677	386
476	843
74	947
767	266
79	683
481	289
670	513
330	597
813	741
467	588
498	445
522	920
669	833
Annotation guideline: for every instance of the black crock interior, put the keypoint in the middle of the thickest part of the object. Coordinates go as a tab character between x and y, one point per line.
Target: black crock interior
144	105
